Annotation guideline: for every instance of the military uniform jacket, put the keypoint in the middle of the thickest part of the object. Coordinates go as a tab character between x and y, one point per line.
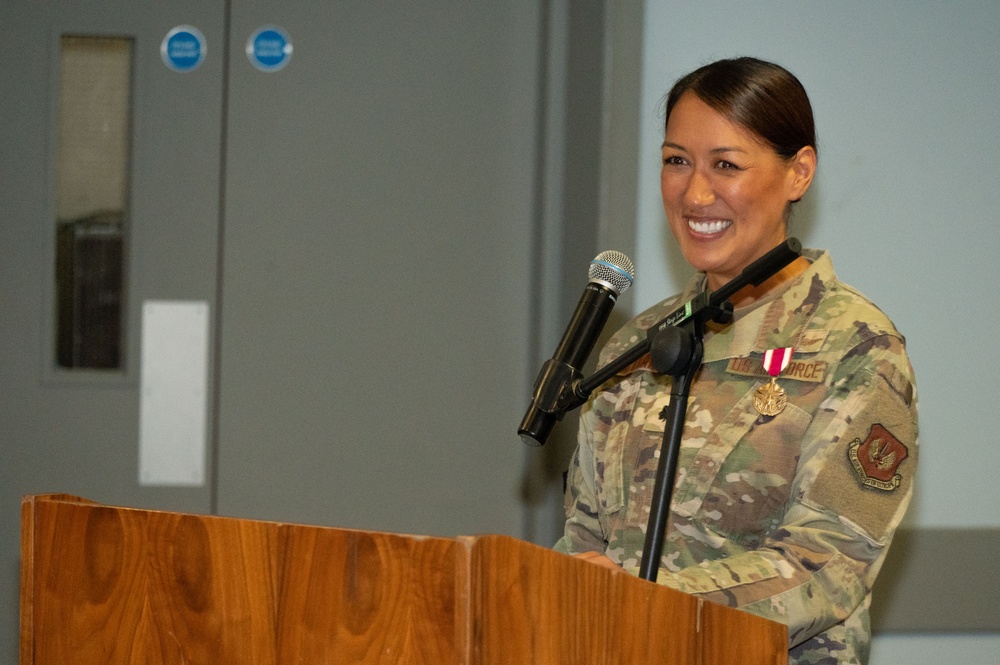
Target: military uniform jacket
786	516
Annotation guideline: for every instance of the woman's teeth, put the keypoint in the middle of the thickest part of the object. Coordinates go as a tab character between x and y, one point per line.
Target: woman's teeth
709	227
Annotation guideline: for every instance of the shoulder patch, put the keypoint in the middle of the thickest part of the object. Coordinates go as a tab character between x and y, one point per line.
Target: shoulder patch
865	475
877	459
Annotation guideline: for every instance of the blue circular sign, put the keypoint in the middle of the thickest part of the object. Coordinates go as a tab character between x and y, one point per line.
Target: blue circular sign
269	48
183	49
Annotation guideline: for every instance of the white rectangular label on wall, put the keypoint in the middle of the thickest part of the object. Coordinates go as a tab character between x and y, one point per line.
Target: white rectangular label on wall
174	396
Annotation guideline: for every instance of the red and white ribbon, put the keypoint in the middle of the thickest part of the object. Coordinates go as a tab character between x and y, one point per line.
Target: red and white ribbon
776	360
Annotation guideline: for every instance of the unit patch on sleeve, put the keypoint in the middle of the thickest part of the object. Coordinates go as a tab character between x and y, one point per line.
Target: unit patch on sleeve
877	458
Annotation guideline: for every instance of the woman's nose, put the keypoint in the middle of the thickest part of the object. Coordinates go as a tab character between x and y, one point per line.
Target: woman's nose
698	193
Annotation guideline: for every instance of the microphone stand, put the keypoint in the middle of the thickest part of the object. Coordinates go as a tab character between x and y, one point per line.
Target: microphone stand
675	345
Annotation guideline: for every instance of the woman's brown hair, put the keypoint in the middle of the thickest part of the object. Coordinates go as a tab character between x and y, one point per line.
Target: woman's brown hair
760	96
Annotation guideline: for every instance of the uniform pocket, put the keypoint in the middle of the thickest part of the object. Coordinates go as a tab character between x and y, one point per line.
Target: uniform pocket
744	472
610	484
615	412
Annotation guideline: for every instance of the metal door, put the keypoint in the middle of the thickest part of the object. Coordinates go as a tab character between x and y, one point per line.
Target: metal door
377	265
76	430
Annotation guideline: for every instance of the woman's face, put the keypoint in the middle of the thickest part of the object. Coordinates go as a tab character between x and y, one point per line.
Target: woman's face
724	190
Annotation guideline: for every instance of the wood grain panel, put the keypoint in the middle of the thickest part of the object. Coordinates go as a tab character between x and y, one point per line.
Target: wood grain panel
115	585
105	585
369	597
111	584
536	606
727	637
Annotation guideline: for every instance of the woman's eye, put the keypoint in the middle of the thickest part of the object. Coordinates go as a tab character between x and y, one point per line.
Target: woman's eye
673	160
723	164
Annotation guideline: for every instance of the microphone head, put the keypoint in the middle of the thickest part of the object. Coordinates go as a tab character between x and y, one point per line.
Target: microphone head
613	270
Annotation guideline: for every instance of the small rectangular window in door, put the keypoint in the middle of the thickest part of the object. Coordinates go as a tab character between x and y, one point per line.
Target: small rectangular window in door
92	185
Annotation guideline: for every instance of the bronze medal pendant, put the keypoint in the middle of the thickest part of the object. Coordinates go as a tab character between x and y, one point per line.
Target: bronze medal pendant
770	398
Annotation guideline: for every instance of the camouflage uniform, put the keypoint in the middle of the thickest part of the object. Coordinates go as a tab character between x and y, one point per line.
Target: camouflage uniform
789	516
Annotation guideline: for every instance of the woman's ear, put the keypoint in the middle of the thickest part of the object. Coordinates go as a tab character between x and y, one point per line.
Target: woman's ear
802	170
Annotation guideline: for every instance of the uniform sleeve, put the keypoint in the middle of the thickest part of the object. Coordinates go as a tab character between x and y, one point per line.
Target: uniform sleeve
582	532
852	485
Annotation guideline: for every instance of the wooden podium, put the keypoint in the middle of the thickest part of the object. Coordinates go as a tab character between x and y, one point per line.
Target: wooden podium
101	584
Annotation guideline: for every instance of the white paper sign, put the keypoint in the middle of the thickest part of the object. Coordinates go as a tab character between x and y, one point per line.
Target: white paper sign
174	397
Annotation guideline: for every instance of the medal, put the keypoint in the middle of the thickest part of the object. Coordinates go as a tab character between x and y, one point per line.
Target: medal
770	400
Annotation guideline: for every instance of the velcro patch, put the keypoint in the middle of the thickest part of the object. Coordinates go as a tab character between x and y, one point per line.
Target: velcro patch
877	459
811	341
873	423
812	371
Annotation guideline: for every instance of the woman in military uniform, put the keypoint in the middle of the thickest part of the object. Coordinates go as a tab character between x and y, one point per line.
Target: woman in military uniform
800	440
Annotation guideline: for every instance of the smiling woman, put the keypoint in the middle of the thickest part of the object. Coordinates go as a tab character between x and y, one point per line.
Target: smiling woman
738	149
726	192
799	448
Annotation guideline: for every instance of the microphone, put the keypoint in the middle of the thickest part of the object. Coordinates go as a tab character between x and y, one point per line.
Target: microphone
610	273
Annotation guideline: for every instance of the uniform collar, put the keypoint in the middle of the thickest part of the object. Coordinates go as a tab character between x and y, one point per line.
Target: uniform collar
781	319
